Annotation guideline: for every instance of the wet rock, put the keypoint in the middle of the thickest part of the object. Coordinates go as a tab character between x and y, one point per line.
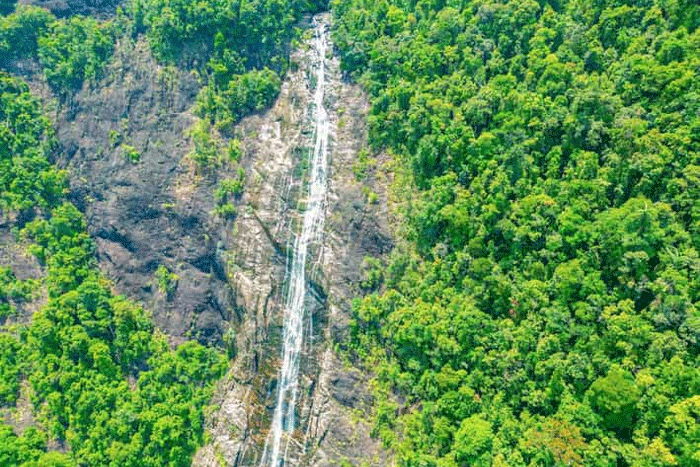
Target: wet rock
344	389
276	144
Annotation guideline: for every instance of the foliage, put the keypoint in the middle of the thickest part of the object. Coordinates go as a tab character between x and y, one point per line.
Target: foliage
20	31
541	306
243	94
227	192
615	398
206	147
27	180
74	51
100	378
29	450
6	6
234	151
372	273
9	369
234	35
231	186
167	281
226	210
132	155
69	51
13	290
241	46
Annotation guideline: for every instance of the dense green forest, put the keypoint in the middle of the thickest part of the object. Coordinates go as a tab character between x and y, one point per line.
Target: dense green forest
69	51
240	48
541	307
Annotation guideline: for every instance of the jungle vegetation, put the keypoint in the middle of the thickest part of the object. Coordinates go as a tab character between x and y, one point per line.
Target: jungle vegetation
541	306
97	376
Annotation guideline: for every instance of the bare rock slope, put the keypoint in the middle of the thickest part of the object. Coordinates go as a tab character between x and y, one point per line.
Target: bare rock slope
333	397
125	143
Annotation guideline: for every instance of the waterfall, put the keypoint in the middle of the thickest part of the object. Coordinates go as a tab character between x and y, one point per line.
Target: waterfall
275	453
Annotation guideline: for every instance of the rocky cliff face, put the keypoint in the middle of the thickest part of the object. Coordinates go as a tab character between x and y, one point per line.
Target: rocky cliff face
152	210
333	396
124	143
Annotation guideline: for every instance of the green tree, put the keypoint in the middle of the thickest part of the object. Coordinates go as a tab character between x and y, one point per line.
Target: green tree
615	397
473	441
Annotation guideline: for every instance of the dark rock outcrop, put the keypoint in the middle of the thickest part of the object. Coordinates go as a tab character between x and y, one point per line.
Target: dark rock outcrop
152	211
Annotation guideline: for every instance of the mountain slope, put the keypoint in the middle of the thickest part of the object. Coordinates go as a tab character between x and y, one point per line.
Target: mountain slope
542	306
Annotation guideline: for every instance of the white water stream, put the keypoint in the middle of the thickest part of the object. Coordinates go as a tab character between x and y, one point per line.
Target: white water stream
277	443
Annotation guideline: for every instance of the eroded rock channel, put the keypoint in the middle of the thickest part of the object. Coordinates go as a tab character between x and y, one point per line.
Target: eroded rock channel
327	427
231	272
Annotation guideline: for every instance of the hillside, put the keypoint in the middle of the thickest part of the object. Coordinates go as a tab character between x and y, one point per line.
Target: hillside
90	377
507	271
542	306
175	153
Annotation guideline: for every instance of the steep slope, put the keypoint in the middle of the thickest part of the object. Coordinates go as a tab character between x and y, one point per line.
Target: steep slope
200	242
156	183
84	377
331	396
152	211
542	305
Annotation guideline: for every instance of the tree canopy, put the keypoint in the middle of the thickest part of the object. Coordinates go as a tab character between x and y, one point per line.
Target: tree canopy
541	306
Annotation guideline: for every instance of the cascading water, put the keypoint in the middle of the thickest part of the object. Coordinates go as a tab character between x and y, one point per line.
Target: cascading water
275	453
